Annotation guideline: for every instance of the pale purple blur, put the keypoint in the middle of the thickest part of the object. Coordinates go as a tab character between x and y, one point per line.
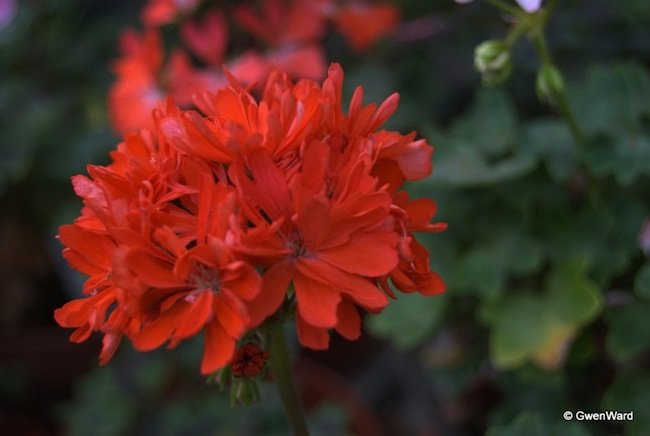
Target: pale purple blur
527	5
530	5
8	9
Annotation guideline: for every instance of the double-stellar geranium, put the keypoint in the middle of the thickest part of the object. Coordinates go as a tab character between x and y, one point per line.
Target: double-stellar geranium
223	219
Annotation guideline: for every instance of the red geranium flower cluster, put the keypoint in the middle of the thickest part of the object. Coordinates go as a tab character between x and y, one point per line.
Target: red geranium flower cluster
289	34
217	219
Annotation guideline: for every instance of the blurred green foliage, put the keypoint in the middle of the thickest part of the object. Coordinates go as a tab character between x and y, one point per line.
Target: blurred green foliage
548	291
541	251
161	393
55	57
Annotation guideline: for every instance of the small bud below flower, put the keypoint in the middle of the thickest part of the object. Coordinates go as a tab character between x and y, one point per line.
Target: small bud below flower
249	361
493	60
549	84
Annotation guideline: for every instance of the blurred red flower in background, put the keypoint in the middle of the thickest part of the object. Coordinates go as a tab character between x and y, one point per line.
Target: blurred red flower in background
363	24
288	34
159	12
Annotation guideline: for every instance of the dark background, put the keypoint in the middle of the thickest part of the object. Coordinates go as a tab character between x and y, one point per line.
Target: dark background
547	307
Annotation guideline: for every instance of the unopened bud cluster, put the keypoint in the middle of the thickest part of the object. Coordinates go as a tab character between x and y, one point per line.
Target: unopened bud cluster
493	60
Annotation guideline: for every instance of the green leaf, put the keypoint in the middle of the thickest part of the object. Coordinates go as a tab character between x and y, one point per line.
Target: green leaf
636	12
540	327
603	235
612	99
518	331
526	423
631	392
642	282
626	156
611	108
489	125
551	140
409	320
628	330
480	147
485	268
458	163
481	269
571	295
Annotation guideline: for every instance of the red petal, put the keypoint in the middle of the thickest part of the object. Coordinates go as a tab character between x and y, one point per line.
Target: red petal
311	218
219	348
207	38
81	334
241	278
415	160
96	249
110	342
433	285
360	290
194	317
274	287
72	314
310	336
154	334
230	313
81	263
314	165
317	300
268	188
306	62
151	271
369	254
349	321
169	241
385	111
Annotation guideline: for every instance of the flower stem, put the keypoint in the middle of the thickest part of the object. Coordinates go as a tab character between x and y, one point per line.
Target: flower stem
562	103
279	360
507	8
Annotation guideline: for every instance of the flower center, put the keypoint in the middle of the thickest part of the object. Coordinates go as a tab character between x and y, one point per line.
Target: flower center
204	277
296	245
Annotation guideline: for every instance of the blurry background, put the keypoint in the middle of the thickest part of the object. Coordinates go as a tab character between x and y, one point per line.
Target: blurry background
546	256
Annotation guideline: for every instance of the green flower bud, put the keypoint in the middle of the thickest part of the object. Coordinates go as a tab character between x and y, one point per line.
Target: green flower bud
549	84
244	391
493	60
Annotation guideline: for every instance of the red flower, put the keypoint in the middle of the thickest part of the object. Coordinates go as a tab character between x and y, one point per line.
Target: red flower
203	288
363	24
136	91
280	23
174	231
159	12
307	61
322	234
143	212
292	30
207	38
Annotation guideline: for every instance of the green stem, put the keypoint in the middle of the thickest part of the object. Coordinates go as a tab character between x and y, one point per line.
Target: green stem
541	46
567	114
516	32
563	106
505	7
280	366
